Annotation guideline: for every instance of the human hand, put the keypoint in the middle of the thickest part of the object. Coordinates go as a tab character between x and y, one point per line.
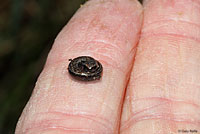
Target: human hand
154	90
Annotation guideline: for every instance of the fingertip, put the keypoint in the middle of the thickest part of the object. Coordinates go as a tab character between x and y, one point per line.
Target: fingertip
115	22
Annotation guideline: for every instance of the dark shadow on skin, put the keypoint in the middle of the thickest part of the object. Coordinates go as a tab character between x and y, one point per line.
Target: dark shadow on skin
141	1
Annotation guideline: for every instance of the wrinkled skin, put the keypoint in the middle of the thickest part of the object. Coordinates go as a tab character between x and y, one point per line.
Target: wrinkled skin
151	78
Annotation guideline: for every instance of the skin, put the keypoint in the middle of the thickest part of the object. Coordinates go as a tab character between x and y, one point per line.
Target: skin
154	90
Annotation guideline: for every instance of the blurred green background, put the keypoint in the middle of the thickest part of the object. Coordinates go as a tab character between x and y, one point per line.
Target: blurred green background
27	31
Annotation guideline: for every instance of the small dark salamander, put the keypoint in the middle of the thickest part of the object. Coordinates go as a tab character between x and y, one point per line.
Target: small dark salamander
85	68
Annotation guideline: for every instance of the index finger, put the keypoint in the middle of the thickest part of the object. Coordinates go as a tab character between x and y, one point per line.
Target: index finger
107	31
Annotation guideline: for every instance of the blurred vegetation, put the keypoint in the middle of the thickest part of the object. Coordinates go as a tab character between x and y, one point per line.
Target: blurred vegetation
27	31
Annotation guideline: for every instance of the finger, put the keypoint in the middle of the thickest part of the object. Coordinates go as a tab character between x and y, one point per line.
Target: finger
107	31
163	92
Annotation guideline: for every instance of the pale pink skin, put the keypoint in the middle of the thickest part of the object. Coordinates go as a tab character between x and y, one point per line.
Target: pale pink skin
153	91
